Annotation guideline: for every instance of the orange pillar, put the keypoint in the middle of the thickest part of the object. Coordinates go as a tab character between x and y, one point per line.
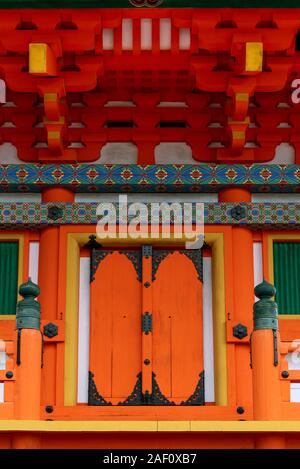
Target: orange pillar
234	195
243	284
265	344
28	363
48	281
242	256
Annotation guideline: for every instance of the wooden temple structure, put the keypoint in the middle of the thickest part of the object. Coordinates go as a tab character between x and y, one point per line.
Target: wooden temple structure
123	343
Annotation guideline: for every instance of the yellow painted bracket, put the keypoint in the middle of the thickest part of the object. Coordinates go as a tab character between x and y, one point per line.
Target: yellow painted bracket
52	108
254	57
242	98
238	133
42	60
246	121
240	107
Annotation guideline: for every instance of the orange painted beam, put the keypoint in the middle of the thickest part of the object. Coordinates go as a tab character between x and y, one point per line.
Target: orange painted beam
49	256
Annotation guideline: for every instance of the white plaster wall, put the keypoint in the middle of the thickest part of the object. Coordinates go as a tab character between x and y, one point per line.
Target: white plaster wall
83	330
165	35
174	152
9	154
284	198
295	392
284	154
172	104
3	358
184	38
122	153
257	264
119	104
33	269
17	197
147	198
108	38
146	34
208	341
293	360
127	37
164	153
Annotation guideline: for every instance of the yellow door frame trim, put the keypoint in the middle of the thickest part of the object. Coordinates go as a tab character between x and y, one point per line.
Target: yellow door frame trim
216	242
75	241
279	237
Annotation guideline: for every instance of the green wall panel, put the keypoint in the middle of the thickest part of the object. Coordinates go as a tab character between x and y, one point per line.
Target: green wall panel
287	277
9	253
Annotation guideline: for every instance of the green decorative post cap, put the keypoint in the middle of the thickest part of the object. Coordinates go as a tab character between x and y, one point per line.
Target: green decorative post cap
28	309
265	311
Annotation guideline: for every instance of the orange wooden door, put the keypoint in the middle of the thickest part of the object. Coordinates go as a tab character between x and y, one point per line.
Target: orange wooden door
177	325
146	343
115	337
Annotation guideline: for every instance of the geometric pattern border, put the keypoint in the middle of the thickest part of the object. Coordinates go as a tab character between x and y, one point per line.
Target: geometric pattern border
31	214
152	178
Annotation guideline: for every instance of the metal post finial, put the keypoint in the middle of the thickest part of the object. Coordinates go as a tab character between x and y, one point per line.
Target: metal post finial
28	309
265	311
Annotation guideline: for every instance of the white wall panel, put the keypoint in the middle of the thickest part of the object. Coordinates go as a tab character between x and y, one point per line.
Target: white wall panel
184	39
9	154
16	197
118	153
33	270
284	198
284	154
127	39
147	198
208	341
295	392
293	359
146	34
3	358
257	264
165	34
174	152
108	39
84	330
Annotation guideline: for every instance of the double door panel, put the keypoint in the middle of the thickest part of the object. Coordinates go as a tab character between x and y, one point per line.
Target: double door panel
146	343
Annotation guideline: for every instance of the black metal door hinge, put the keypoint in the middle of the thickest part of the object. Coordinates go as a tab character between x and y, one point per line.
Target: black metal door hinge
147	251
147	323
